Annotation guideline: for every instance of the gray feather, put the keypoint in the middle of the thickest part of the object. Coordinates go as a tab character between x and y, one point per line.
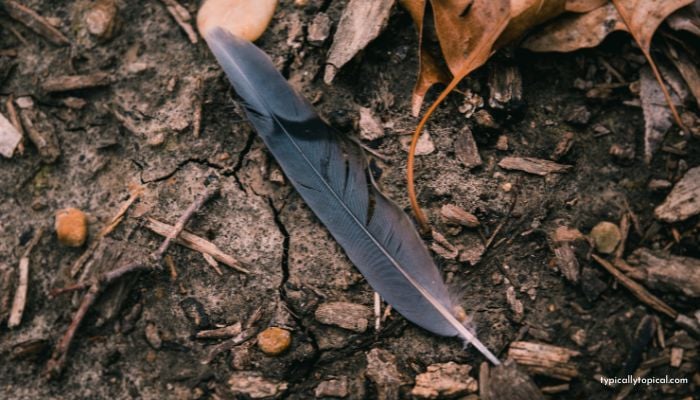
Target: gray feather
330	174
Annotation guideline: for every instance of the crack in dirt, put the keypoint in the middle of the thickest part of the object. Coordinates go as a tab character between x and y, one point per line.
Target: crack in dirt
302	371
241	157
182	164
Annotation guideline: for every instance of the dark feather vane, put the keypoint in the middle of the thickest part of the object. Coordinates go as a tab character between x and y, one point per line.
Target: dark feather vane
331	175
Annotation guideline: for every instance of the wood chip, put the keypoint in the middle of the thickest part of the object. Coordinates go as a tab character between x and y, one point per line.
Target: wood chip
657	115
663	271
452	214
505	86
563	146
466	150
10	137
638	290
444	381
370	125
676	357
533	165
544	359
196	243
252	384
41	132
35	22
65	83
684	200
362	21
350	316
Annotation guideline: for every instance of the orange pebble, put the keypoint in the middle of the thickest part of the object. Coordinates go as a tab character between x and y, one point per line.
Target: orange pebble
273	341
71	227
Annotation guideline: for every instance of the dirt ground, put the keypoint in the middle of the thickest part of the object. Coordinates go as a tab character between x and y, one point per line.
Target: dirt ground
295	264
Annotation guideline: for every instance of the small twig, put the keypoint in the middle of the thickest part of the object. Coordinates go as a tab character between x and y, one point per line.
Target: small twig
197	112
171	266
212	263
503	222
35	22
638	290
377	312
14	119
182	17
180	224
196	243
20	299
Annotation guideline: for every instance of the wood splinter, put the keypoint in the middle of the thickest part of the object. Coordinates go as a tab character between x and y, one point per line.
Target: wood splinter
20	299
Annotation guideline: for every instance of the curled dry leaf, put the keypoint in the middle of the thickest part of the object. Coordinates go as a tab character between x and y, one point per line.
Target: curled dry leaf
583	6
242	18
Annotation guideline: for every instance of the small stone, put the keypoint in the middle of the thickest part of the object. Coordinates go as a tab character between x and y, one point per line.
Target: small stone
350	316
71	227
382	370
319	30
606	237
254	385
370	126
507	187
100	18
152	336
502	143
444	381
24	102
274	341
623	153
452	214
424	146
333	388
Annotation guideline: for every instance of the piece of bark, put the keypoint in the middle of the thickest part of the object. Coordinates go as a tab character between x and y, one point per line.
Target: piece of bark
657	115
638	290
466	150
563	146
10	137
544	359
472	250
452	214
35	22
319	30
63	83
41	132
444	381
5	285
382	370
252	384
688	70
337	388
442	247
561	244
196	243
533	165
350	316
507	381
370	125
505	86
684	200
662	271
362	21
221	333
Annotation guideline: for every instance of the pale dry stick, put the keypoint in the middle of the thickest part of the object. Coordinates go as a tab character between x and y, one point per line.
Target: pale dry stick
182	18
20	299
637	290
377	312
35	22
106	230
197	113
58	358
196	243
180	224
212	263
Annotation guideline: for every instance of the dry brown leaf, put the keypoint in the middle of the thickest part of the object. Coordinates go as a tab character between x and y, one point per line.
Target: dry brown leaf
584	6
526	14
686	19
573	32
430	71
